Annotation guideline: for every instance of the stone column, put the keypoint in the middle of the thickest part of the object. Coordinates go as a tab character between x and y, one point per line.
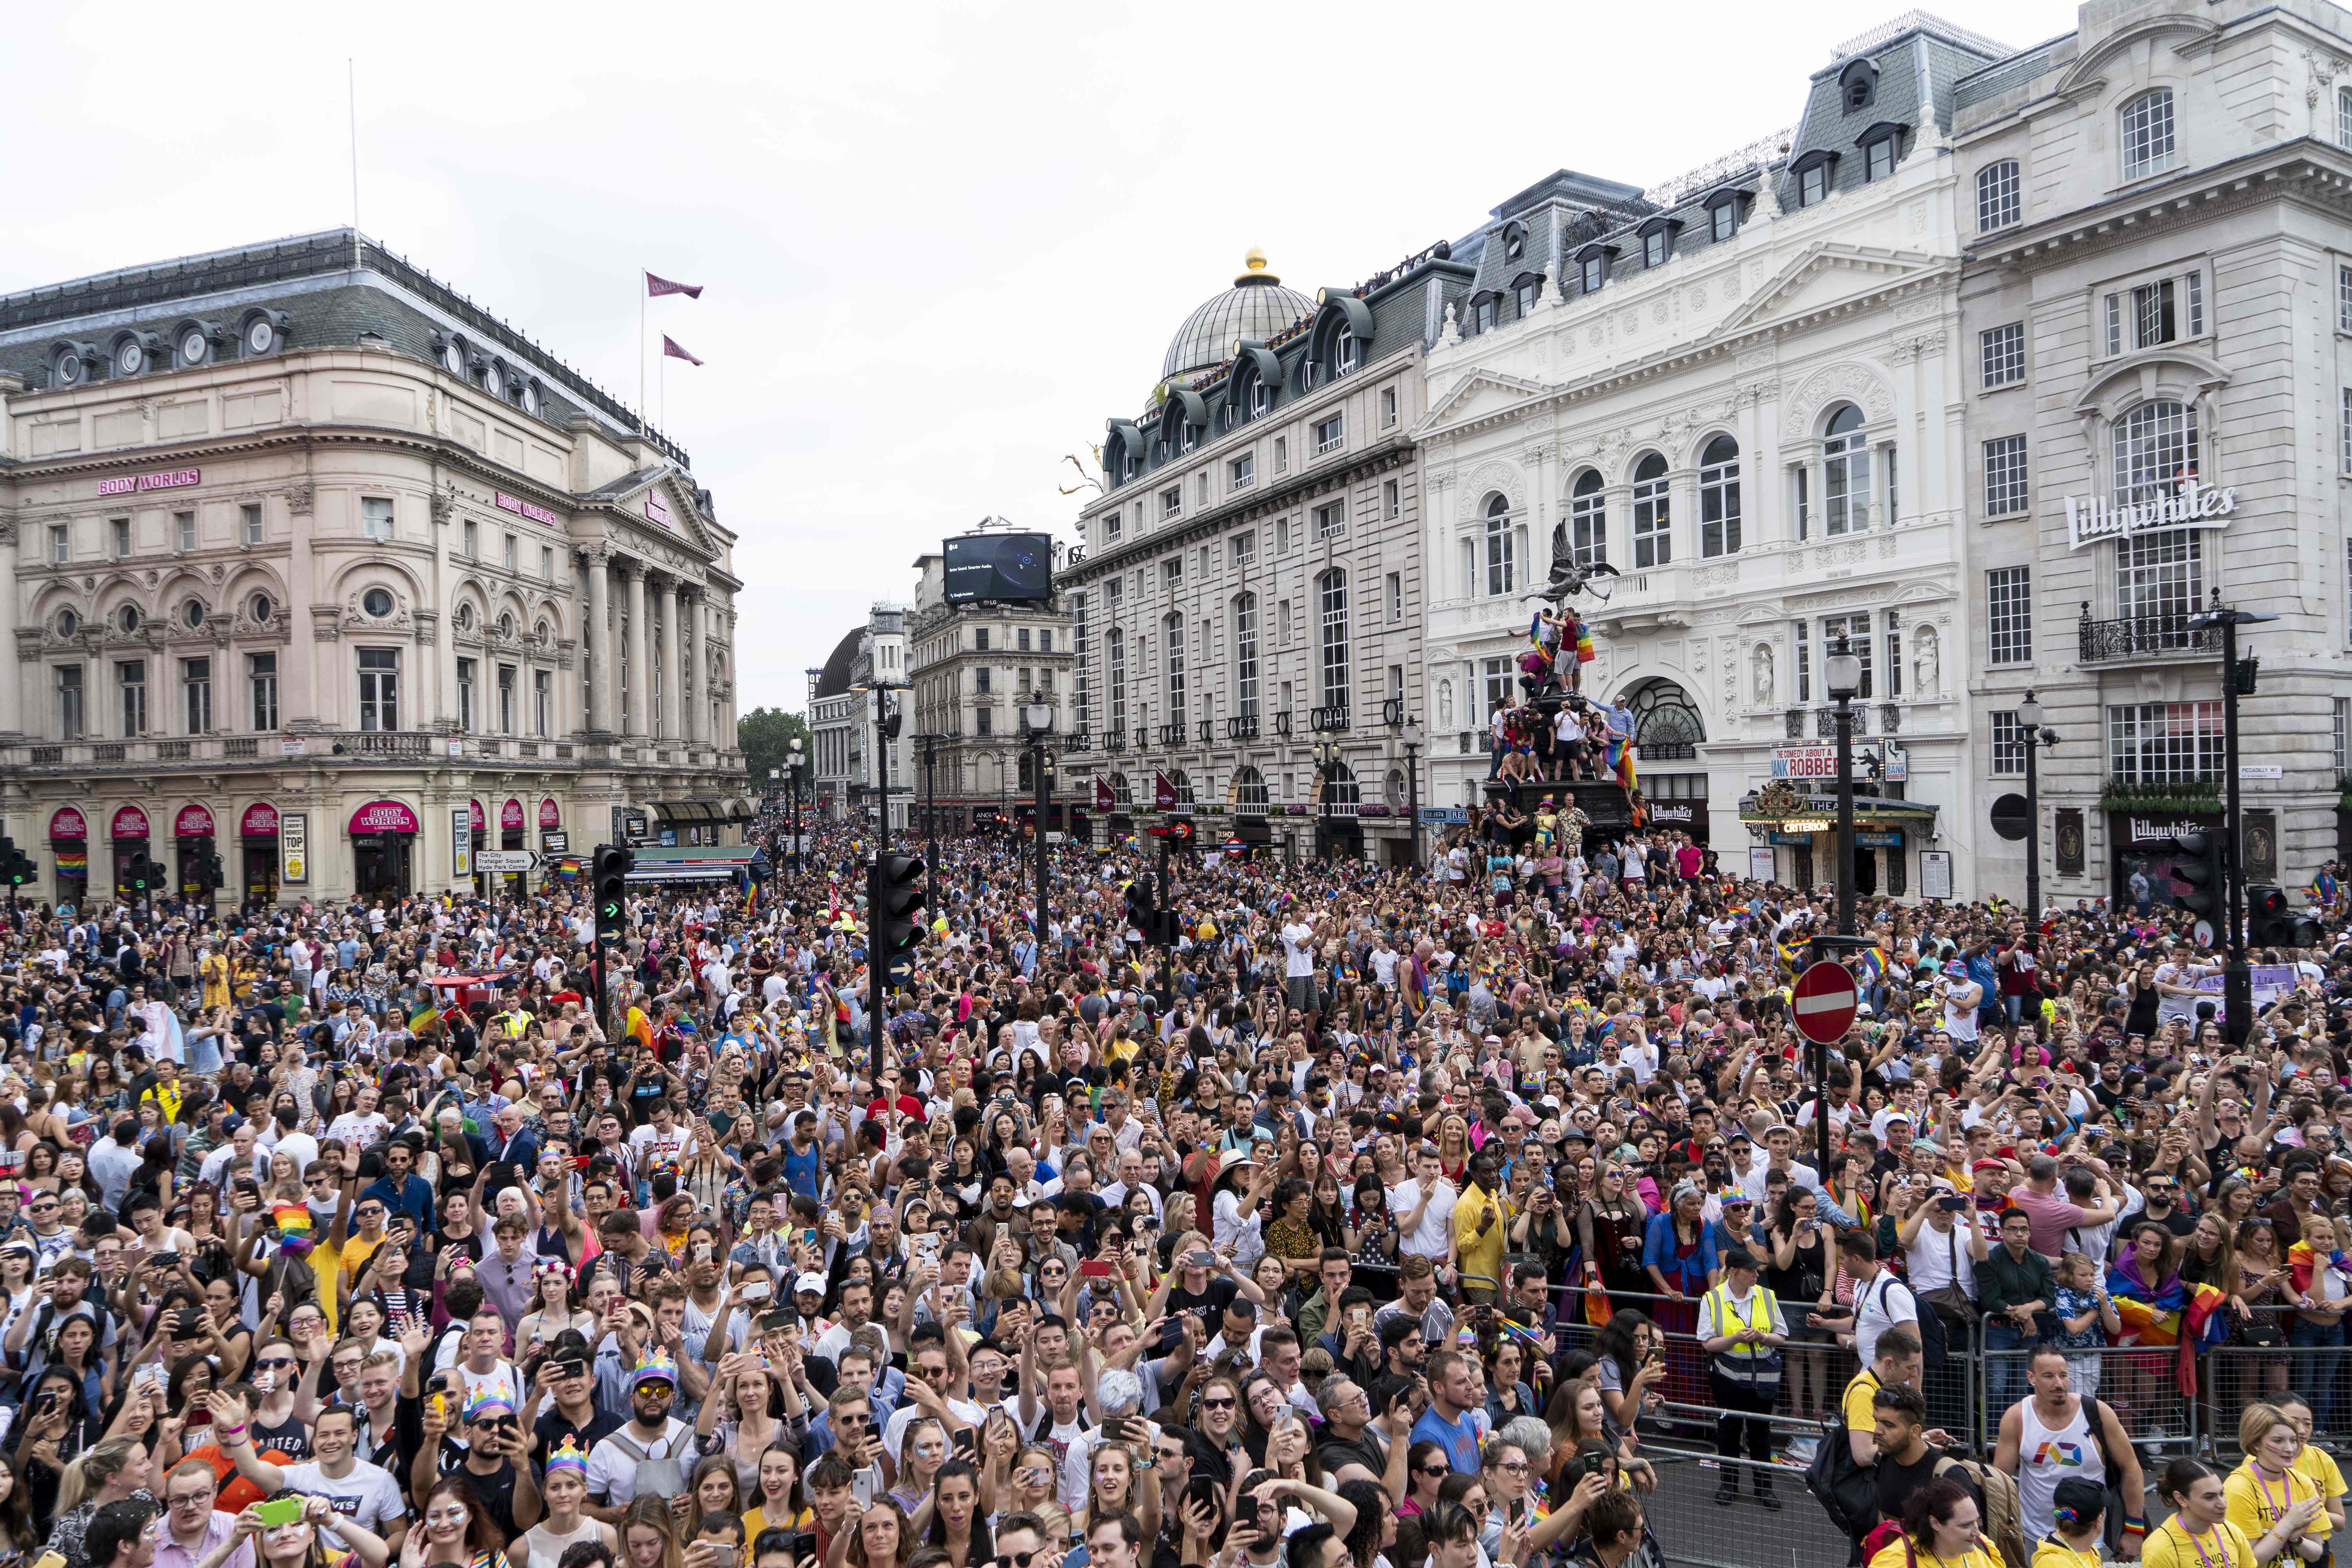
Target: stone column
635	724
595	641
672	605
689	664
12	687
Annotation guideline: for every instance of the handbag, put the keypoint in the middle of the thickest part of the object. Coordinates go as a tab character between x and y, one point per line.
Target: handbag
1951	1300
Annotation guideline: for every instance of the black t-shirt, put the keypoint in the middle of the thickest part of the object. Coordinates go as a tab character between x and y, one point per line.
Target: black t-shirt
292	1439
1208	1304
1897	1482
496	1489
552	1426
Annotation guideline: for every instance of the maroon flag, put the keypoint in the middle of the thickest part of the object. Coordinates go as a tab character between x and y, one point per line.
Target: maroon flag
657	286
1163	794
1104	800
671	350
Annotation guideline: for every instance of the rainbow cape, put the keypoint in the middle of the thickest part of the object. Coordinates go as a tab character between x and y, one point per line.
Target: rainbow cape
2173	1313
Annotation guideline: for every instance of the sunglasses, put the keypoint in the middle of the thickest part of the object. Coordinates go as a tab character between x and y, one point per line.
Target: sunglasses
1015	1558
1225	1404
276	1360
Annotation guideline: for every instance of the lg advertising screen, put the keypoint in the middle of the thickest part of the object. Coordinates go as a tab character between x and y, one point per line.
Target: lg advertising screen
1016	568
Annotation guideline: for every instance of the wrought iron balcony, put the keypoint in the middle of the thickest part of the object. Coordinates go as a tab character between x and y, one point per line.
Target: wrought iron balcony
1825	719
1079	741
1282	723
1206	732
1114	740
1171	736
1393	712
1241	727
1330	719
2143	636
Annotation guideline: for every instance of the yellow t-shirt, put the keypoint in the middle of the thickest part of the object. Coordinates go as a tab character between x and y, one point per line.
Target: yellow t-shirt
1856	1405
1894	1555
2254	1507
2052	1552
2169	1545
2316	1462
1480	1258
327	1263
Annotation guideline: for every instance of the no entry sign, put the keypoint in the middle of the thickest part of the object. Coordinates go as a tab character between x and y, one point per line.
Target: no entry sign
1824	1000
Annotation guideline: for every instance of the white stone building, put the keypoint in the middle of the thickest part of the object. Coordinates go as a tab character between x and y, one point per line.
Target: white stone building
1742	390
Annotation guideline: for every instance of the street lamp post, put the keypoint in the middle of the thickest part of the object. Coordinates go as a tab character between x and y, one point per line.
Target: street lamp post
1326	754
1842	672
795	746
2029	722
1414	736
1039	715
2237	979
930	804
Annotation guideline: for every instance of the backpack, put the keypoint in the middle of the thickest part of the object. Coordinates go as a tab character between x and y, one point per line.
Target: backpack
1847	1492
2004	1512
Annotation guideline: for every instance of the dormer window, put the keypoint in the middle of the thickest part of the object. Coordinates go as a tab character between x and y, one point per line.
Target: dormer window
1882	146
1858	86
1343	353
1658	242
1593	266
1724	211
1524	293
1815	176
1515	241
1481	313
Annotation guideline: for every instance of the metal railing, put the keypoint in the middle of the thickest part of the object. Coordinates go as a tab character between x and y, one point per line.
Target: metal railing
1329	718
2142	637
1241	727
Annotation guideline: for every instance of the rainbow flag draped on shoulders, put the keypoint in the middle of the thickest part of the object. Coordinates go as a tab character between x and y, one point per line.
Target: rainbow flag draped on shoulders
2174	1314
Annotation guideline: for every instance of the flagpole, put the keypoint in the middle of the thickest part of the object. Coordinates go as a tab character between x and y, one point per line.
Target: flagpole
641	343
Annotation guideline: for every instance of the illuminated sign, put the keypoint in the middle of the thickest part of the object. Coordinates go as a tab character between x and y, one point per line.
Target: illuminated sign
2194	505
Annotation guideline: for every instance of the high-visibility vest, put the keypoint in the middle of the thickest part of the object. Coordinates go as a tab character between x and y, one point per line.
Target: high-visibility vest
1754	1365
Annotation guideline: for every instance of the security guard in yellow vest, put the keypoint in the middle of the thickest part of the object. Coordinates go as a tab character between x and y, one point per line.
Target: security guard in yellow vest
1741	1329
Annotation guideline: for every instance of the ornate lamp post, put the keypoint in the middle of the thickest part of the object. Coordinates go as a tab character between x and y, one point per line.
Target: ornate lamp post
1844	673
1413	737
795	786
1327	753
1040	716
2029	721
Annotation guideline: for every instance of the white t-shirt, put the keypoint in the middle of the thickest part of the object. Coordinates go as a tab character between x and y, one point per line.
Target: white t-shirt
655	1148
1428	1238
613	1472
1878	1306
368	1496
1297	957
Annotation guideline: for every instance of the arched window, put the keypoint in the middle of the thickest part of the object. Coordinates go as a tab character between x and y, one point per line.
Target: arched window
1858	86
2156	447
2147	133
1846	472
1245	655
1331	592
1115	663
1667	723
1997	204
1341	794
1122	795
1343	352
1500	560
1718	497
1182	783
1248	792
1652	537
1400	798
1588	520
1171	628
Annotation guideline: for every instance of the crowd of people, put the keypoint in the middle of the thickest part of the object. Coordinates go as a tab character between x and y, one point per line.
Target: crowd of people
1354	1229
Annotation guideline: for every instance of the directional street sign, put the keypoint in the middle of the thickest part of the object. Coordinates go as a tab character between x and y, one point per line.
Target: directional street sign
488	861
1824	1001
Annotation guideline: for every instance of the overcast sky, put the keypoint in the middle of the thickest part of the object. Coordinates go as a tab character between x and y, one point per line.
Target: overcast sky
940	244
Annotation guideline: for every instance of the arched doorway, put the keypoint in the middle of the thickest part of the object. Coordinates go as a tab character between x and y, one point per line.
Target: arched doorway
1668	730
1337	829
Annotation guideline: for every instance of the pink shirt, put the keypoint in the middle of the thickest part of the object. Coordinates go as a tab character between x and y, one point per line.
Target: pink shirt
2051	1216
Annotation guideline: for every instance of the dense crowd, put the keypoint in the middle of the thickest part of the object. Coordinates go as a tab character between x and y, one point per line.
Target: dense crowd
1352	1230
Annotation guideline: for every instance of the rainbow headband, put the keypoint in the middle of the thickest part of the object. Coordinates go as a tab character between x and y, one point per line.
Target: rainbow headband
568	1456
657	1368
485	1400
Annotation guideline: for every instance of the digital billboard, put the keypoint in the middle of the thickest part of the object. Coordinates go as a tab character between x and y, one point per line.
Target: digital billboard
1016	568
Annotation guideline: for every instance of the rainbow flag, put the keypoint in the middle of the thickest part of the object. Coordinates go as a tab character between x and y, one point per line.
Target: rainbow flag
293	1219
1583	640
1623	761
1874	962
425	1014
640	1028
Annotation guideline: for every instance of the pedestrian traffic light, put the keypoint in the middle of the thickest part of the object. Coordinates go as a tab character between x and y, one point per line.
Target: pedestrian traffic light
609	873
2271	920
16	867
140	874
2196	868
1141	907
898	902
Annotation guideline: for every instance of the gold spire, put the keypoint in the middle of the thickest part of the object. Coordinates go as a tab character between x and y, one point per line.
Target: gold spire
1254	265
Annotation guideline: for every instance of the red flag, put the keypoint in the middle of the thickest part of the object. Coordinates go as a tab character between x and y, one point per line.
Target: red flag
1104	800
671	350
655	287
1163	794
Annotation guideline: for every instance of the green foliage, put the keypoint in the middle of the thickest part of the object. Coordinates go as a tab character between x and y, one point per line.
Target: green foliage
764	735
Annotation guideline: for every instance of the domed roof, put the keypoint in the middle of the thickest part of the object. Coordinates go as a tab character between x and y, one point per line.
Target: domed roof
1257	307
835	678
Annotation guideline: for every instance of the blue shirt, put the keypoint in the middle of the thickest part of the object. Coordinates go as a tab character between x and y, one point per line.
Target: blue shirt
1459	1439
413	1196
1659	1249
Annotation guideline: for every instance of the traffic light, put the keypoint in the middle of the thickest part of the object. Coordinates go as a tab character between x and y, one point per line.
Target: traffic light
2197	866
609	873
897	901
2271	920
1142	908
16	867
141	875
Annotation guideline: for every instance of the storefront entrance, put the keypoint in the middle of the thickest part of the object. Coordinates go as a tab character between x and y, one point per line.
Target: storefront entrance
2141	841
256	830
129	832
69	845
384	844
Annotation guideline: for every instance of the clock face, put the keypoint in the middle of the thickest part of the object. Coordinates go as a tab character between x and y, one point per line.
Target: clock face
70	370
129	359
192	347
531	401
453	357
261	336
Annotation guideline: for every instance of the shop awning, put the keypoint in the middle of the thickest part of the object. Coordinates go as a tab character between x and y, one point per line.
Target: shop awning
690	810
1252	828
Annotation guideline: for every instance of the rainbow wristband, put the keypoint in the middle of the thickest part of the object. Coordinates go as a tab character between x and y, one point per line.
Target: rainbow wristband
2135	1526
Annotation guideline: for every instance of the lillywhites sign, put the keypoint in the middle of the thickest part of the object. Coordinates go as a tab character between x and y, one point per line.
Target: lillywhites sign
2143	831
2194	505
169	479
523	507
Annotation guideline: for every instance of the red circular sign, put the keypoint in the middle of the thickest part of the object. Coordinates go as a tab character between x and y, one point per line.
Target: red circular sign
193	822
1824	1002
69	824
130	822
260	821
511	814
549	814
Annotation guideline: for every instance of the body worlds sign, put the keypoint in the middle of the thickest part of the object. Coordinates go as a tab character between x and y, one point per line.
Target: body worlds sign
2194	505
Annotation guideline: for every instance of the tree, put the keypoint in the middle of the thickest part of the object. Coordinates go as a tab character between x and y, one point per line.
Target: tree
765	736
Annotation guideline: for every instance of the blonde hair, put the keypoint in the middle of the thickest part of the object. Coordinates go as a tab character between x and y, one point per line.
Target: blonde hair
93	1468
2254	1424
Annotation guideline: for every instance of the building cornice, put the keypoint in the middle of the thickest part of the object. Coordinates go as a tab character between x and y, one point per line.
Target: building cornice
2165	200
1393	452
